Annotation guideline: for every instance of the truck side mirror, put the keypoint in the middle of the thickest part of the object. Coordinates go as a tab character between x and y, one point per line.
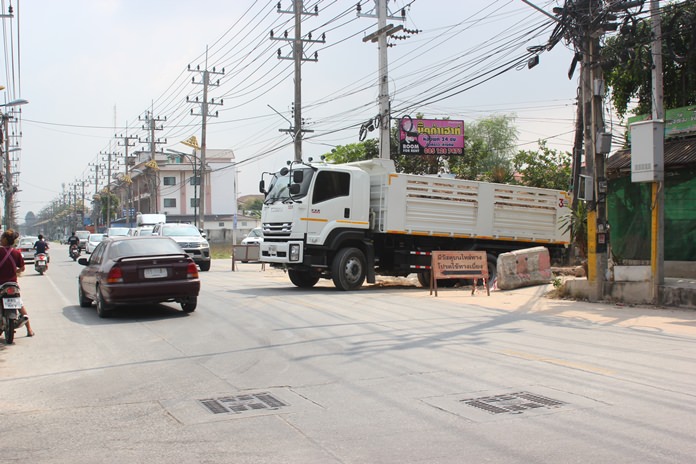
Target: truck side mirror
297	176
262	187
294	189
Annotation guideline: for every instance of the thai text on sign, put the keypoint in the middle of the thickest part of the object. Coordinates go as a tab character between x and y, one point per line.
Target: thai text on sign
459	264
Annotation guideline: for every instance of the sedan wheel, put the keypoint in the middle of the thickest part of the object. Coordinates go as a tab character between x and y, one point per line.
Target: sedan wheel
84	301
189	305
102	307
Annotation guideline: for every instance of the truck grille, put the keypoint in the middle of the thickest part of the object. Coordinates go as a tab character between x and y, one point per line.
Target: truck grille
277	229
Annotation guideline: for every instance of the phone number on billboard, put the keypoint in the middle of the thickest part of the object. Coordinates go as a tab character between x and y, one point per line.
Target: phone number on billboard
443	151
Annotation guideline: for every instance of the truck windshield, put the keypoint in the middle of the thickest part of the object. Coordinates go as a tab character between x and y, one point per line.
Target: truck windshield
280	187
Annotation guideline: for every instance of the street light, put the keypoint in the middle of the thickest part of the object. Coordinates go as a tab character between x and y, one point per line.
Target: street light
196	180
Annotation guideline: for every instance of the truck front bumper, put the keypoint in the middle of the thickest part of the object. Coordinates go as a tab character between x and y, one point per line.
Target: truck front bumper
282	252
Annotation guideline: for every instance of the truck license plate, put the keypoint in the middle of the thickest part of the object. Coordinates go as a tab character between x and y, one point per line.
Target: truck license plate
272	250
155	273
12	303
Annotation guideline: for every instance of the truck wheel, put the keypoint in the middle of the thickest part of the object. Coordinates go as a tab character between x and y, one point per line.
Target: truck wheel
492	270
348	269
424	279
205	266
303	279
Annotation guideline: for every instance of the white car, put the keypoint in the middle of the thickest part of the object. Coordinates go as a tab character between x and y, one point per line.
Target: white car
117	231
92	242
255	237
26	247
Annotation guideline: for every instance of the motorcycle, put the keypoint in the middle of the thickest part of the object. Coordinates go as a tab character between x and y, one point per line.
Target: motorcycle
74	252
10	305
40	263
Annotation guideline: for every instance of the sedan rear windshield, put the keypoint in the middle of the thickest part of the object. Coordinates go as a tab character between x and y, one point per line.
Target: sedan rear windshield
144	247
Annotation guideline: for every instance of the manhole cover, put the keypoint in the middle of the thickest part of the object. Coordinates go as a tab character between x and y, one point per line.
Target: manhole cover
241	403
515	403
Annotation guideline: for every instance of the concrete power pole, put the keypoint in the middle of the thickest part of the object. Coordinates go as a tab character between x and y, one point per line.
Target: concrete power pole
298	57
205	114
107	157
657	247
151	126
127	143
383	31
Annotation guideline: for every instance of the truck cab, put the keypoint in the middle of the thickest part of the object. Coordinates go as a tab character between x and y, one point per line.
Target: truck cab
312	206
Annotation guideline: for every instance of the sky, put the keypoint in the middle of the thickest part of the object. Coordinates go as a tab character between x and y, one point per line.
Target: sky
94	68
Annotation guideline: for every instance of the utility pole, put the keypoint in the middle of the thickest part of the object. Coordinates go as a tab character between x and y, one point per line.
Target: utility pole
9	193
380	36
108	156
205	114
298	57
127	143
657	242
95	209
151	127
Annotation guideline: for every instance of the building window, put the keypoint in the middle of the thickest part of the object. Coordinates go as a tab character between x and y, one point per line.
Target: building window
195	202
170	202
169	180
195	180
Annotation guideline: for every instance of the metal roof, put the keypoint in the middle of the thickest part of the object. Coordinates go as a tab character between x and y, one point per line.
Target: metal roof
678	154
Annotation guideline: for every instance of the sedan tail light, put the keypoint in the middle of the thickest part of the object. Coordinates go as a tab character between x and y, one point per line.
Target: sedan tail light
115	275
192	271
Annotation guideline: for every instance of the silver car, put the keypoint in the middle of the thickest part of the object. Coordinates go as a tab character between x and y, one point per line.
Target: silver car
26	247
190	239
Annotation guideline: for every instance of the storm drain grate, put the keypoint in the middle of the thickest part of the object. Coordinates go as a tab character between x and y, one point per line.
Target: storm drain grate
515	403
242	403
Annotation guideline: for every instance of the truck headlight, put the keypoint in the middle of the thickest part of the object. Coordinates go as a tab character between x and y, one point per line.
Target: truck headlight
295	252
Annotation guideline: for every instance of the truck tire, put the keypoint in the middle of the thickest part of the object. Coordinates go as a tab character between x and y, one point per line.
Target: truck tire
492	270
303	279
348	269
424	280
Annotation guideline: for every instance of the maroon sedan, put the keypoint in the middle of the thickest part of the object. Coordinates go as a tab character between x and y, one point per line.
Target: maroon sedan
127	270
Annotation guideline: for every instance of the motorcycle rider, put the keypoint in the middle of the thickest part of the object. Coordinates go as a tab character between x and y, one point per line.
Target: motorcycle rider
73	240
11	261
41	246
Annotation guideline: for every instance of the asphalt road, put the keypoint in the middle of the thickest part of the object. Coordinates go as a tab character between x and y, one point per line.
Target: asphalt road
263	372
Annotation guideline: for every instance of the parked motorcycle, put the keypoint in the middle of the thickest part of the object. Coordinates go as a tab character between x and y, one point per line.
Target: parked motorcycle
10	304
74	252
40	263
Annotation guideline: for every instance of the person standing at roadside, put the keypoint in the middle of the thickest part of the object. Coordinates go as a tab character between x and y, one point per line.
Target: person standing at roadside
11	261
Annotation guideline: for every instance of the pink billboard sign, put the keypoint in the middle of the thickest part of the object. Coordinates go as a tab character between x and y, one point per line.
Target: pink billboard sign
431	136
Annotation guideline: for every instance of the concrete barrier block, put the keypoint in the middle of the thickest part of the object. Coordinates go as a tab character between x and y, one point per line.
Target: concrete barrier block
523	268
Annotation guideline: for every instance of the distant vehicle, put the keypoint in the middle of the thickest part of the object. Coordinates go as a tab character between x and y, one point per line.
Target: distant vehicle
138	270
92	242
190	239
254	237
150	219
116	232
26	247
83	235
140	231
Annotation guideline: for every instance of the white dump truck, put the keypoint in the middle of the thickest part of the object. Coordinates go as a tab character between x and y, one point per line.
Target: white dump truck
350	222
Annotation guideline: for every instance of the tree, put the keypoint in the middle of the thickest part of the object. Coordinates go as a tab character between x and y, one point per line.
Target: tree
489	150
106	205
252	207
627	61
367	149
545	167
